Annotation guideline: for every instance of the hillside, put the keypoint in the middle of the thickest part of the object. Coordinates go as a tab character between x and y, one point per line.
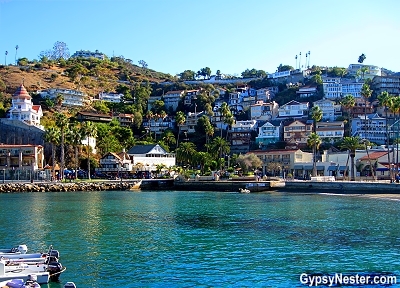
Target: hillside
95	76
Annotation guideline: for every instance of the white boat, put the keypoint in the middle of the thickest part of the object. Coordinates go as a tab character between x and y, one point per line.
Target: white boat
41	278
20	283
20	253
242	190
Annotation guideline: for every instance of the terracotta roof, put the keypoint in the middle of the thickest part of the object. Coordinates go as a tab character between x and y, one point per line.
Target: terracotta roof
373	155
174	92
36	107
272	151
21	92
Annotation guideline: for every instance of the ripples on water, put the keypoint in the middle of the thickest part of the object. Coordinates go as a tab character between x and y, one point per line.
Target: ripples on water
204	239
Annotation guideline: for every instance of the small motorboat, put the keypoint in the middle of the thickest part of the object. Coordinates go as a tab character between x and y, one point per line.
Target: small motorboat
20	253
70	285
136	185
244	190
20	283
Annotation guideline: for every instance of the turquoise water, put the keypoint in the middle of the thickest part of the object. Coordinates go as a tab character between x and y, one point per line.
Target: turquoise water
203	239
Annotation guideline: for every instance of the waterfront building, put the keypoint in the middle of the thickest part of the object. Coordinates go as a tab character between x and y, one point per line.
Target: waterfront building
115	163
147	157
22	108
240	135
21	161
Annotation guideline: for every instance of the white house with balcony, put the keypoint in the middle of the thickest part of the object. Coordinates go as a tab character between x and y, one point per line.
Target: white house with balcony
111	97
371	72
115	163
293	109
266	94
262	111
372	128
330	110
330	131
147	157
71	98
22	108
269	133
332	87
171	99
352	87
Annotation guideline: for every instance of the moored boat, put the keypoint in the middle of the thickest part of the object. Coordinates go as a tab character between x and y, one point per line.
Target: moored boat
20	253
136	185
20	283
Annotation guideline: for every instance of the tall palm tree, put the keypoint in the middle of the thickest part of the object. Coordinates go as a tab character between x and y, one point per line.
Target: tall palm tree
348	102
52	136
385	100
395	108
16	49
351	144
75	136
185	152
149	116
219	146
90	131
366	93
180	119
62	122
5	58
224	112
229	120
169	138
209	129
314	141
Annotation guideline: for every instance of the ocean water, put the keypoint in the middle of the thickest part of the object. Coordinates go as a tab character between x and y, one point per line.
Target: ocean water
204	239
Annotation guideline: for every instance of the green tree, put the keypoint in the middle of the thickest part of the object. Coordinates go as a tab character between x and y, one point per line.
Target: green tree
185	152
351	144
52	136
361	58
62	122
169	138
314	141
248	161
187	75
180	119
89	131
386	100
75	135
348	102
282	68
316	114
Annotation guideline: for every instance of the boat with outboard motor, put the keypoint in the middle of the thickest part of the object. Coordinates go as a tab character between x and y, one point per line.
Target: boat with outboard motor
32	264
20	253
20	283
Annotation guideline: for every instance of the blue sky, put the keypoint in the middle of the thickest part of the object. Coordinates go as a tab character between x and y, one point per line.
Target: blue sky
229	35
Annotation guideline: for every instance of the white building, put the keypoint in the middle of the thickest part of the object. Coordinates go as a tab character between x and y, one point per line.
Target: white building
372	128
72	98
352	87
330	131
264	111
111	97
23	110
330	110
172	98
332	87
269	133
371	72
293	109
149	156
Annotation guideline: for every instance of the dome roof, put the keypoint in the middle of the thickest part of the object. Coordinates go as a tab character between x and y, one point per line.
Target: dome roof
21	92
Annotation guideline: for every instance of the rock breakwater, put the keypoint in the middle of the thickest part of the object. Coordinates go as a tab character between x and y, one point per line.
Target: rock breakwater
63	187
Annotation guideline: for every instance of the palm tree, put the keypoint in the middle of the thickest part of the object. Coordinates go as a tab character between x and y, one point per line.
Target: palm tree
52	136
366	93
5	58
348	102
149	116
202	158
16	49
394	106
62	122
219	146
314	141
185	152
90	131
75	136
229	120
169	138
316	115
385	100
209	129
180	119
351	144
224	111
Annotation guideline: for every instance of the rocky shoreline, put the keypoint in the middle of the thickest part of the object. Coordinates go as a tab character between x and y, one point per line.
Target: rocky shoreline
63	187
